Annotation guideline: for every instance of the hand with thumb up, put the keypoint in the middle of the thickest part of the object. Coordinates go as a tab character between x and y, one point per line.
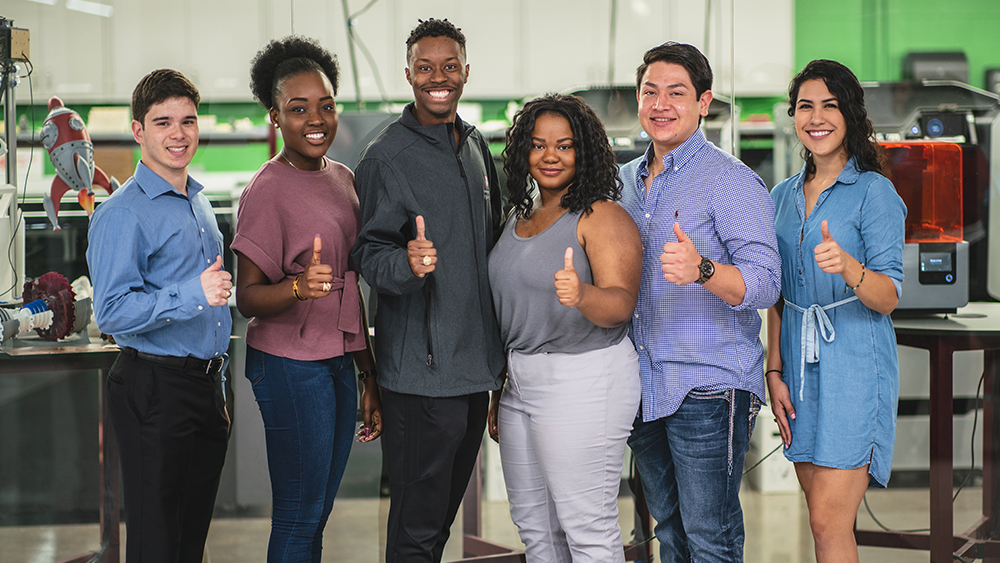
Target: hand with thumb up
567	282
420	252
217	284
315	282
680	260
829	256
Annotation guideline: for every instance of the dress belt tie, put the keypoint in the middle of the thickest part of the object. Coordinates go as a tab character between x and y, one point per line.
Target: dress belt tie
815	323
350	303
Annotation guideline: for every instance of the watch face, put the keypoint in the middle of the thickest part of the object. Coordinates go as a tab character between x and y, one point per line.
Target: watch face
707	268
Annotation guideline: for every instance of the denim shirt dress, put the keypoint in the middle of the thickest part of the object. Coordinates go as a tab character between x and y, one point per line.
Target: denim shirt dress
845	400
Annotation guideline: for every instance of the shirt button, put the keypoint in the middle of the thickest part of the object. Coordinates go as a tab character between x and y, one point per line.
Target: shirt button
642	348
203	230
199	307
220	324
647	216
637	315
168	320
675	169
209	261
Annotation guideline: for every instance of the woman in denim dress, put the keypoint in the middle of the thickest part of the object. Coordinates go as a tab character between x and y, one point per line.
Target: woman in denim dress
832	367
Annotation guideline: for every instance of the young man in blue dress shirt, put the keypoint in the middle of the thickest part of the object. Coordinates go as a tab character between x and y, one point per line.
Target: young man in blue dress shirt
155	257
710	260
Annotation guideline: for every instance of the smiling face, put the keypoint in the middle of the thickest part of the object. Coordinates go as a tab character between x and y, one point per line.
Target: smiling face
669	107
552	160
438	73
168	138
818	121
306	115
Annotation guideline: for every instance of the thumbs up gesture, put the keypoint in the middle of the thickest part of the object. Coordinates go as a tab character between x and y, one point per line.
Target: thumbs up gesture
680	260
216	283
316	280
567	282
420	252
829	256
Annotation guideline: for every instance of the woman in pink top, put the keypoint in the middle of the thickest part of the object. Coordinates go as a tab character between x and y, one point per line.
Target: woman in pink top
296	225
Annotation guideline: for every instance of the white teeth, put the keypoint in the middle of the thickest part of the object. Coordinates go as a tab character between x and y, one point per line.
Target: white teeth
315	136
177	149
818	134
442	94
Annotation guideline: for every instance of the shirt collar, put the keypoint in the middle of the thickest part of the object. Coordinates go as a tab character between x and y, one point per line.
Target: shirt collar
848	175
678	157
153	185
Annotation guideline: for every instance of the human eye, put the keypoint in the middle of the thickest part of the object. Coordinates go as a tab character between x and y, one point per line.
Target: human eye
566	147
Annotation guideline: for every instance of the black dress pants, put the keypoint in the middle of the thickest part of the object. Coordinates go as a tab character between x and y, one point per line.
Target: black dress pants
431	445
172	434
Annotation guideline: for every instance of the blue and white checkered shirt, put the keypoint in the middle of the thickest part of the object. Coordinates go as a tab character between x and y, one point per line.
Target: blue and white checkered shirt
687	337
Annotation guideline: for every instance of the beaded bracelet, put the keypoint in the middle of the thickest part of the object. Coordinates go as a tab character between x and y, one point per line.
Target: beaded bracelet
855	288
295	289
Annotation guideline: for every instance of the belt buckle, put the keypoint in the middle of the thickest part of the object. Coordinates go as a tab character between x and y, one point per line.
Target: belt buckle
215	364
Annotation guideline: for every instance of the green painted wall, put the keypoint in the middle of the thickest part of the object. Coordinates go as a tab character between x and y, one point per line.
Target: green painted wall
873	36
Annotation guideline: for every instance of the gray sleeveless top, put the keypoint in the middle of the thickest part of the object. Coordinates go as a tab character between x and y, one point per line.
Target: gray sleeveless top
522	279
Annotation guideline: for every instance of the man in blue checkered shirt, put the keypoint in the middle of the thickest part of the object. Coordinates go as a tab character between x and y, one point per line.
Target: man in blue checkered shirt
710	260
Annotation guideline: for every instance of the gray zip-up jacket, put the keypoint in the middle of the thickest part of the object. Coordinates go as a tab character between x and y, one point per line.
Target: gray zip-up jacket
435	336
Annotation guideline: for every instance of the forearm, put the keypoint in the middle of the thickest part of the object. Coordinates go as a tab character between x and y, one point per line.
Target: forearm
876	290
123	311
264	299
727	284
606	307
774	337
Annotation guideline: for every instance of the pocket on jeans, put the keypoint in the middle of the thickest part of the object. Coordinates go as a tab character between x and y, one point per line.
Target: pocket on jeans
256	372
755	405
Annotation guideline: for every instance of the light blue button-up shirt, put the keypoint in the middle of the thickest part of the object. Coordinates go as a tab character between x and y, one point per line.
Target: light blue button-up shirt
149	245
686	336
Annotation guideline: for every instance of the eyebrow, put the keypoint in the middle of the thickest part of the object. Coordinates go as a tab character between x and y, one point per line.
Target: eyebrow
668	86
426	60
810	101
306	99
557	140
167	118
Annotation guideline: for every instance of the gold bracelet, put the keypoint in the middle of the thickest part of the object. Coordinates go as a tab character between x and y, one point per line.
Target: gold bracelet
295	289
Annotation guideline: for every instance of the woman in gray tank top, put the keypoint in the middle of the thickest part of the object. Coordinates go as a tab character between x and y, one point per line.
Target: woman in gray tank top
565	279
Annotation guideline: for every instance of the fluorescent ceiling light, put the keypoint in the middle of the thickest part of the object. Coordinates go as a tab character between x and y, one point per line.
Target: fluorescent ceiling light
46	2
88	7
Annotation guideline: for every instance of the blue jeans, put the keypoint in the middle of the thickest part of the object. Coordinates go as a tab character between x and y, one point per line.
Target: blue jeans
309	411
691	464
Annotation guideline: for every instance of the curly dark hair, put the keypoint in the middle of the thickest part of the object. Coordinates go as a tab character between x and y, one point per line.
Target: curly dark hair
859	139
596	170
434	28
284	58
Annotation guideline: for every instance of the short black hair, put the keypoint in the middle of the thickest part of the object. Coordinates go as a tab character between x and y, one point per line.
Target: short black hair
596	170
159	86
434	28
682	54
287	57
859	139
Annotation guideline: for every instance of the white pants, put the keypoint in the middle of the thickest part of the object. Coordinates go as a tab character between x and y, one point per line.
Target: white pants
564	420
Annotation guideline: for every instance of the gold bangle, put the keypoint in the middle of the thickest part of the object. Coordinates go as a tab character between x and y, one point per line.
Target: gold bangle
295	289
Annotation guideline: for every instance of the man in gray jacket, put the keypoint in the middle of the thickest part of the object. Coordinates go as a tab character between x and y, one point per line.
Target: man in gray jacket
430	205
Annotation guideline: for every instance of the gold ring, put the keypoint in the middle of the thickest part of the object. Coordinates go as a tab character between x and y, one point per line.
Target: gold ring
326	287
427	260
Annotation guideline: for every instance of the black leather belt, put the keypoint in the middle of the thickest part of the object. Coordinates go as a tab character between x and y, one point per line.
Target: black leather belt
208	367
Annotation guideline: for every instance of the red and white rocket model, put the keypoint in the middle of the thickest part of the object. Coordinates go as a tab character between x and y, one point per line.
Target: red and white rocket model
65	137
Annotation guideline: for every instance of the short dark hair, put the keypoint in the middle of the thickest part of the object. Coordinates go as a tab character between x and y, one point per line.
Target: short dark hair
596	170
682	54
283	58
434	28
859	139
158	86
